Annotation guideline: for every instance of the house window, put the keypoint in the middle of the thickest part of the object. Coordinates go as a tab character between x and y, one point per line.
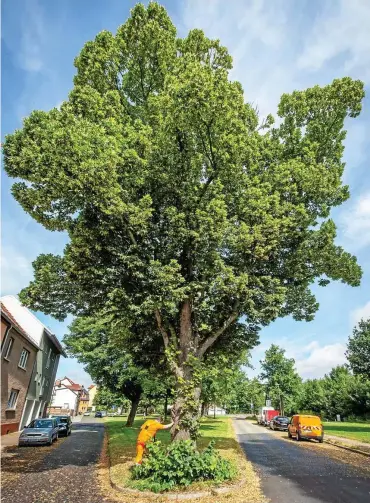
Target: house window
66	406
48	360
13	399
9	348
45	384
23	359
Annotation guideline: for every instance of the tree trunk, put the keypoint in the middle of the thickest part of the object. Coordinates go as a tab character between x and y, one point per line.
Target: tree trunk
165	407
185	412
281	405
214	411
203	409
133	409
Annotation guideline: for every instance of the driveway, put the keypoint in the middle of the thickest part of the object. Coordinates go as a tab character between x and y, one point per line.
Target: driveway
301	472
65	473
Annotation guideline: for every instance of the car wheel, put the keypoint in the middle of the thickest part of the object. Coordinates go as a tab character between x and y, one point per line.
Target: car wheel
50	442
57	437
289	434
321	440
298	436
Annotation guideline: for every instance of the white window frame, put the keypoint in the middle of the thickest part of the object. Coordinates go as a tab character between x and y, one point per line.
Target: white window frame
13	399
24	358
9	347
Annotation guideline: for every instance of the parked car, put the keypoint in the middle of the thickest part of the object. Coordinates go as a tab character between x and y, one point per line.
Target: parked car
304	426
279	423
98	414
64	424
39	432
87	414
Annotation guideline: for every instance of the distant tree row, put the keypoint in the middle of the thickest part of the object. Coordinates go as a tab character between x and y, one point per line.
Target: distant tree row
345	390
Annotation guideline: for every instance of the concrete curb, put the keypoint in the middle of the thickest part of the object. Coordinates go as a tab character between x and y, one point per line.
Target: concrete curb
352	449
217	491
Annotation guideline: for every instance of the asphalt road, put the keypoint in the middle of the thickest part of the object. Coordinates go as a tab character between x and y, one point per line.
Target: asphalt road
296	474
65	474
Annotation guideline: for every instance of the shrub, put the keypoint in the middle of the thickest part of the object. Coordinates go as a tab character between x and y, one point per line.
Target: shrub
180	464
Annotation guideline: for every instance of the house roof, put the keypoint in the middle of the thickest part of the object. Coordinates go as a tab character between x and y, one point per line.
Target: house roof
91	386
74	387
29	322
10	319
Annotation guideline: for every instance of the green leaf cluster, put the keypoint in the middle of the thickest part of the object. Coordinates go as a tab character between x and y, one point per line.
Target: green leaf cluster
358	352
180	464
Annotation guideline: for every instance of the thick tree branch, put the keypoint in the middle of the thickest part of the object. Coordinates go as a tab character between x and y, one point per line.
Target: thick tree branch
163	331
213	338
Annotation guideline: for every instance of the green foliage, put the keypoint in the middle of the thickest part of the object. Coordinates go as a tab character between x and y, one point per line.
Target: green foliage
282	381
125	367
106	399
339	392
358	352
179	208
180	464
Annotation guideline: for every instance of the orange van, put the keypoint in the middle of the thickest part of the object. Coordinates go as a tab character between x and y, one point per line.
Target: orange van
302	426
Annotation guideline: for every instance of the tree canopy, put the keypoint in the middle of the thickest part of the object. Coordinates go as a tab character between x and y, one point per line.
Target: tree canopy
123	369
281	378
180	204
358	349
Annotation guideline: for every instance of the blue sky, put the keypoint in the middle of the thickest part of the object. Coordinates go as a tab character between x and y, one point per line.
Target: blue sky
277	46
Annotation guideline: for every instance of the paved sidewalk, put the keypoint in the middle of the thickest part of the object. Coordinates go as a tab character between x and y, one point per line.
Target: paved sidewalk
10	439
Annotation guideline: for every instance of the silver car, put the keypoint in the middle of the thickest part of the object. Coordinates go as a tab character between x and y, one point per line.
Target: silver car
39	432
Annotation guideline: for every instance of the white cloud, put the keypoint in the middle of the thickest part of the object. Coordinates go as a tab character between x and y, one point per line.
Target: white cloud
16	270
312	360
360	313
256	34
32	38
356	222
341	30
315	360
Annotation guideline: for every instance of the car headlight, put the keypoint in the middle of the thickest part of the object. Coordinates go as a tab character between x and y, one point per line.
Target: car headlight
44	434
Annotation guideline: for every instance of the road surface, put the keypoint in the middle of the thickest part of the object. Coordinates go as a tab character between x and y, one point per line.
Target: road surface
64	474
299	474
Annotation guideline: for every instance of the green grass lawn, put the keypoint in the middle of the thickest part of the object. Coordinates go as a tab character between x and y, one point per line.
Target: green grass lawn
353	431
122	449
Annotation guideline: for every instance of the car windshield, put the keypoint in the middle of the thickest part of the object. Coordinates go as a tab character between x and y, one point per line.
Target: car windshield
41	423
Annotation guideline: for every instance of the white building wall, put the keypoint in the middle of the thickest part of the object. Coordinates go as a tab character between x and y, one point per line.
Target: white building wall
63	396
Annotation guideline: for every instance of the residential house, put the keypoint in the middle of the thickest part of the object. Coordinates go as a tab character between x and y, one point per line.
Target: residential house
18	356
92	392
84	402
46	363
66	397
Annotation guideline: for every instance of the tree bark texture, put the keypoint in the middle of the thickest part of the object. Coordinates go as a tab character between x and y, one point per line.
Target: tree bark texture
133	409
188	350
